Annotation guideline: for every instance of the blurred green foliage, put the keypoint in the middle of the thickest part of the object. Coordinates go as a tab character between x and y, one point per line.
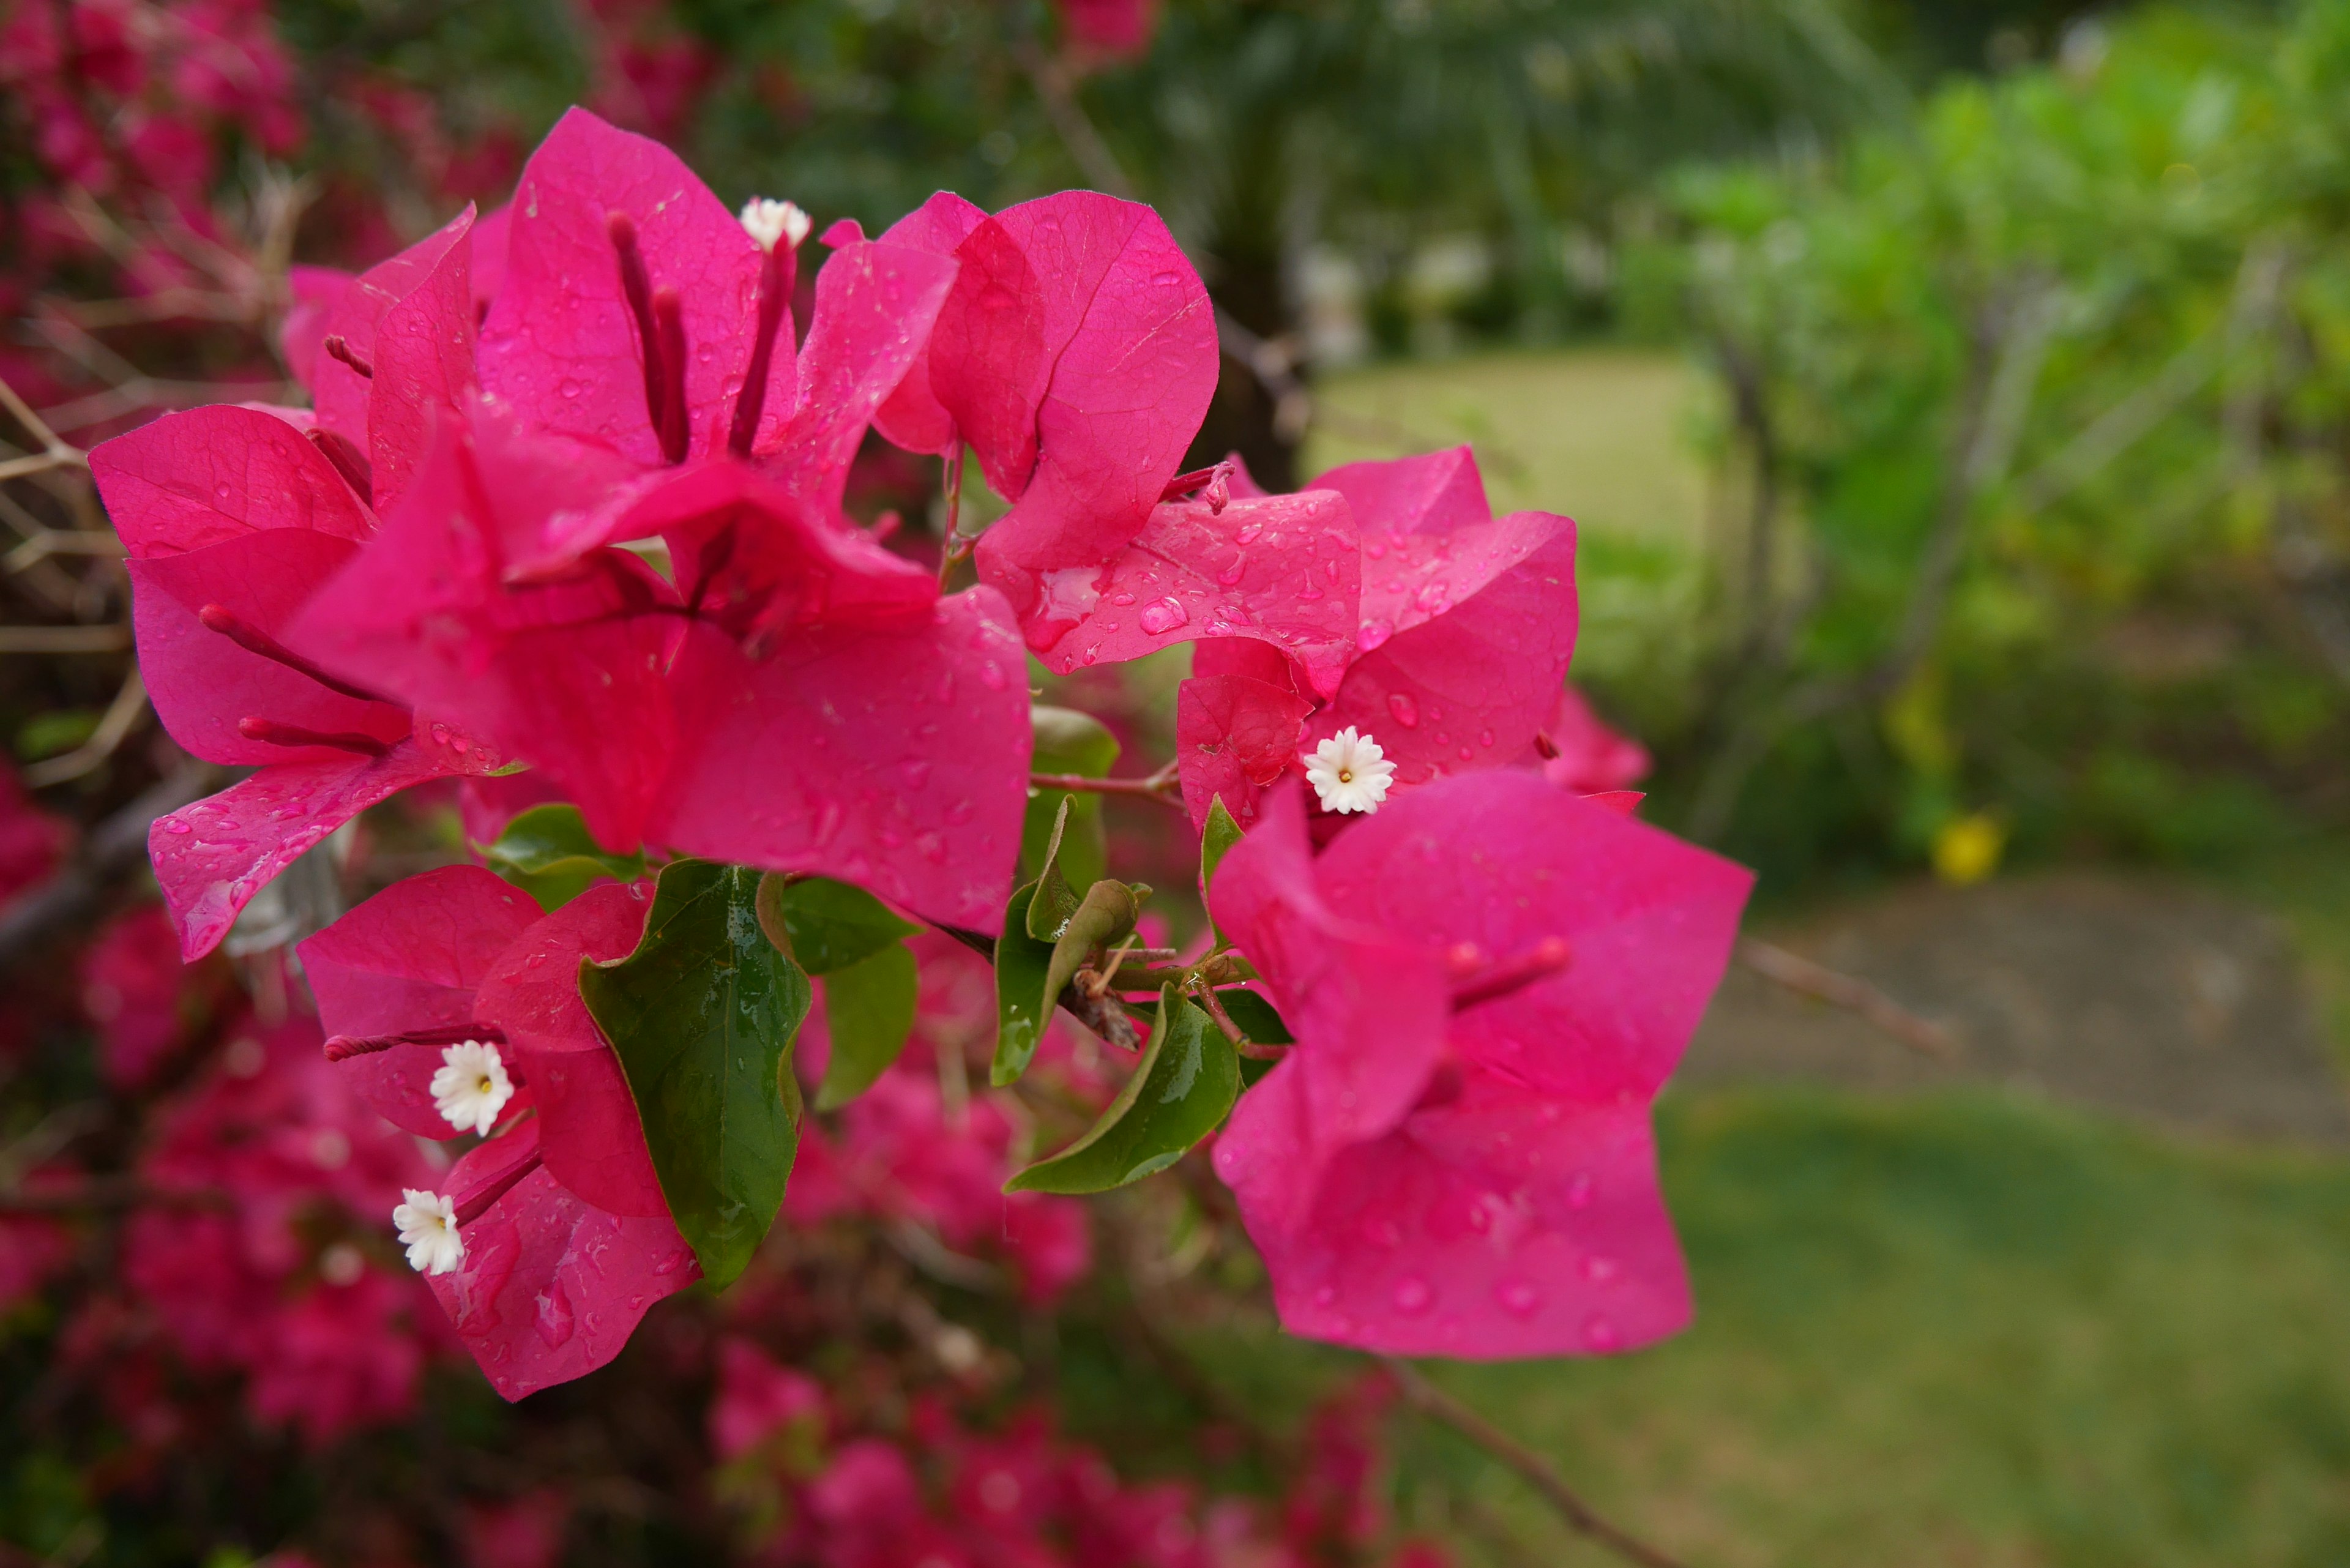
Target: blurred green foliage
2037	425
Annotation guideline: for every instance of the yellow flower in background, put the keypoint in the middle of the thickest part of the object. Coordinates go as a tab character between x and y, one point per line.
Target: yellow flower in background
1967	848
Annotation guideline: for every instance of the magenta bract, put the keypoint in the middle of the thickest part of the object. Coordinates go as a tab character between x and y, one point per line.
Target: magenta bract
1466	624
1445	1165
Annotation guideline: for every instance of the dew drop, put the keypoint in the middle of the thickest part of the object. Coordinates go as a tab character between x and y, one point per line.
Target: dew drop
1466	754
569	388
1232	574
1517	1297
1373	636
1377	549
173	825
991	675
1164	615
1412	1294
1325	1295
1248	534
554	1322
1600	1334
1599	1270
1485	737
1405	710
1164	279
1121	599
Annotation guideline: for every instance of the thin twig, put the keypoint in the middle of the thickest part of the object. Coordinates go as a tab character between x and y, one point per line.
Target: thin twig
1152	788
1800	975
64	639
1078	134
1437	1404
123	716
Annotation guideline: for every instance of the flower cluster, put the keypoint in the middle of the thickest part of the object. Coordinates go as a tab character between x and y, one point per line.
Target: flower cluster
566	521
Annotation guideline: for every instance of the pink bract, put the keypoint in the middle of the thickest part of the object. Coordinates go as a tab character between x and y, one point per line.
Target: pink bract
232	519
551	1286
1481	1184
590	1135
1466	624
411	958
1075	356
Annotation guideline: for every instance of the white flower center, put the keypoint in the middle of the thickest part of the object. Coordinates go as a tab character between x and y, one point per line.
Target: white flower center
768	221
470	1087
428	1229
1349	772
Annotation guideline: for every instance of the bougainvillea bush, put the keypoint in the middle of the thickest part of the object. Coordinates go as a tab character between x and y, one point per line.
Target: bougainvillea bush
789	913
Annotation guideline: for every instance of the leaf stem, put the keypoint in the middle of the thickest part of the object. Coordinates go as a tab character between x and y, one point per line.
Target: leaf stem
1156	787
1447	1408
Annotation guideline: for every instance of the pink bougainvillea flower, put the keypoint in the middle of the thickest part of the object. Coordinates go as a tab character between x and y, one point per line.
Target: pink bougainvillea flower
1489	979
231	520
1115	29
1580	752
1076	356
565	1240
395	349
638	315
759	1402
551	1286
1467	624
814	706
32	842
137	992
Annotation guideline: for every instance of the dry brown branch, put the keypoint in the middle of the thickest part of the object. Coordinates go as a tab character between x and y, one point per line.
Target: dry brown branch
1438	1405
64	639
1802	976
122	717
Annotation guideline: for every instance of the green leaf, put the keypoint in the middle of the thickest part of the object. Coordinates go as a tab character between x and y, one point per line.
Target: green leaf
868	1010
1055	901
1181	1090
702	1015
1217	836
1022	1004
548	852
1259	1022
1068	741
1106	914
826	926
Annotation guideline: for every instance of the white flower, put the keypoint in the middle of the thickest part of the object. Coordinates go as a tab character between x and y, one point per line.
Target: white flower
428	1229
768	221
1349	772
471	1086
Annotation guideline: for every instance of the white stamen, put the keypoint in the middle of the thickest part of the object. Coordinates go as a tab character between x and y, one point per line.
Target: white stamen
428	1229
1349	772
471	1086
768	221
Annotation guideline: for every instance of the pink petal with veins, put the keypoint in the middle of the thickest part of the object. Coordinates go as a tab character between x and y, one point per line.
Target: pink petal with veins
551	1287
592	1137
896	760
411	958
213	856
560	343
209	474
1285	570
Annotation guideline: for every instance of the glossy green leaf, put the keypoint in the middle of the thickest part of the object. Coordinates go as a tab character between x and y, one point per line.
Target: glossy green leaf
1106	915
1068	741
702	1015
1055	899
868	1010
1022	1004
548	852
1217	836
1181	1090
826	925
1259	1022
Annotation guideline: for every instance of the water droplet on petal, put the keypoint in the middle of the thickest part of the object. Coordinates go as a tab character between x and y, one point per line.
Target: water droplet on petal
1413	1294
1517	1297
1599	1270
1578	1191
1600	1334
554	1322
991	675
1248	534
1405	710
1164	615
